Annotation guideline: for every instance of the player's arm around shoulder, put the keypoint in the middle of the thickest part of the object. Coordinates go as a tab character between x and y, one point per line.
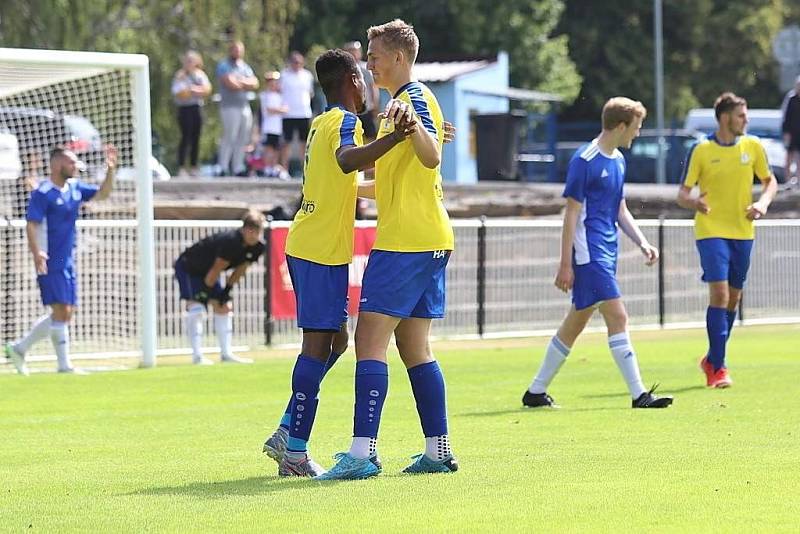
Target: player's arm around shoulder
628	225
354	158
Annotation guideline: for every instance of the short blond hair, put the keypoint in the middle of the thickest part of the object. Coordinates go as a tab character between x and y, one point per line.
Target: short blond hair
397	35
622	110
253	219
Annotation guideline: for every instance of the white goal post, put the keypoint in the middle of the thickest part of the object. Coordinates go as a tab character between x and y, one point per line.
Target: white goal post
84	100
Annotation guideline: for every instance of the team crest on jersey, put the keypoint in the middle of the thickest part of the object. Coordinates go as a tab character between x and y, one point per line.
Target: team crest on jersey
745	158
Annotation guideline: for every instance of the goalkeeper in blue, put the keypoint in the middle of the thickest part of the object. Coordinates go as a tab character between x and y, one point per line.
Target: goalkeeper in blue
589	247
198	270
53	209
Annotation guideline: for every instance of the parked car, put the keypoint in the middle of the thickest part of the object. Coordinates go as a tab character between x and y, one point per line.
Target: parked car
10	163
764	123
641	157
159	172
38	130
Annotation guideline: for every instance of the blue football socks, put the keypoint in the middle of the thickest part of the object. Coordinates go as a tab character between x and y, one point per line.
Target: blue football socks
306	377
372	385
427	383
717	328
286	418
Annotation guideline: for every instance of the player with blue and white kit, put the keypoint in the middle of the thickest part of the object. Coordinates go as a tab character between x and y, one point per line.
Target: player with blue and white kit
589	248
52	211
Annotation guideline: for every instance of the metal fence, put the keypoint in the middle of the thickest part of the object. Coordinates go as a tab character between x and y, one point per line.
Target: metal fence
499	282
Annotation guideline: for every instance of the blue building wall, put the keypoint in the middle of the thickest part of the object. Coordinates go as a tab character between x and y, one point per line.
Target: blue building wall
458	103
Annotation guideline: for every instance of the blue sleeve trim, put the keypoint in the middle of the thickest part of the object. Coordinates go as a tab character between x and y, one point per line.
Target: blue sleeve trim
347	131
421	107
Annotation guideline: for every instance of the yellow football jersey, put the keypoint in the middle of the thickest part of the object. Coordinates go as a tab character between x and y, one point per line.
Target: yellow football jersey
322	230
725	174
411	214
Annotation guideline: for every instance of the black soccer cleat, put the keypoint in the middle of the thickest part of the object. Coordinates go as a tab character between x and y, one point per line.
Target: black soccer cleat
648	400
538	400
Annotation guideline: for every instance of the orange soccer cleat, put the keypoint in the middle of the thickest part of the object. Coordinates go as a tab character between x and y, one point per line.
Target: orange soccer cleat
721	379
708	369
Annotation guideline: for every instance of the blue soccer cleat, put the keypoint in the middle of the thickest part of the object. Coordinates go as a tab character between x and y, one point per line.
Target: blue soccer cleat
350	468
423	464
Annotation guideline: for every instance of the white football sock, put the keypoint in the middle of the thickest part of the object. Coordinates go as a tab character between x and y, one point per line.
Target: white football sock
554	357
622	350
223	326
363	447
59	335
437	447
194	328
39	331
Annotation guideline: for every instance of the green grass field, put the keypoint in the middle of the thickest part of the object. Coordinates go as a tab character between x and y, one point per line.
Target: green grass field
178	448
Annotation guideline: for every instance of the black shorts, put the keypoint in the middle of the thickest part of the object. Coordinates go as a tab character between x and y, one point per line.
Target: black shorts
368	122
273	140
290	126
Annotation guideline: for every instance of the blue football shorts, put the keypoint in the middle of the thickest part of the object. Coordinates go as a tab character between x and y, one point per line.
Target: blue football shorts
59	286
191	284
725	260
320	293
405	284
594	283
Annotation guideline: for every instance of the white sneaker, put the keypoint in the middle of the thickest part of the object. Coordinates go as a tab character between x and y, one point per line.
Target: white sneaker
201	360
17	359
232	358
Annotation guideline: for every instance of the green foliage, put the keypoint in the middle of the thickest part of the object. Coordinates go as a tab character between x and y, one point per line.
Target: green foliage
709	46
178	448
458	28
161	30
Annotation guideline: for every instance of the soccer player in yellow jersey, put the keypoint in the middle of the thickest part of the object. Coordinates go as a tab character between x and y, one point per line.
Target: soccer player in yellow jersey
404	283
319	246
723	166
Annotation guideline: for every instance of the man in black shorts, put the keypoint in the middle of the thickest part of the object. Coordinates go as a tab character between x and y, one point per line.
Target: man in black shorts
297	89
791	131
198	270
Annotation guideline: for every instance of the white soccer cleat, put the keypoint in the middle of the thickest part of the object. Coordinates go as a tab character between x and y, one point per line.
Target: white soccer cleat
201	360
17	359
232	358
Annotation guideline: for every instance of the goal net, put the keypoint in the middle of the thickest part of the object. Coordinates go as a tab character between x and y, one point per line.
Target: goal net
82	101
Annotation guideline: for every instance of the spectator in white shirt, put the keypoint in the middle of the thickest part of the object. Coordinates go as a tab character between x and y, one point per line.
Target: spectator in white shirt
272	110
297	89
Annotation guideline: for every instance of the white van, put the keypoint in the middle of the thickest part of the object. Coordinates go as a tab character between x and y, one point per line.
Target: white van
10	164
764	123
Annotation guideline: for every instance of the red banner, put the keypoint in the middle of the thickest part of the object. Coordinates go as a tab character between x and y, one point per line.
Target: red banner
283	304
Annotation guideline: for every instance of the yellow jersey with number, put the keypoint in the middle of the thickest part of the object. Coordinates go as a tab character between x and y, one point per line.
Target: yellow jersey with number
322	230
724	173
411	214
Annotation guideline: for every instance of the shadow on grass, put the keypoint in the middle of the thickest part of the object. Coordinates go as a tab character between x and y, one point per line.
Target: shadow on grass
523	410
246	487
661	391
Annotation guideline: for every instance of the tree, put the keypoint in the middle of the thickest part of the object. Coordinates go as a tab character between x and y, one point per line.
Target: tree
161	30
452	28
709	46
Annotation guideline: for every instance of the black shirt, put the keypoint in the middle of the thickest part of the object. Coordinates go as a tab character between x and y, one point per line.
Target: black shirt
791	117
228	245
